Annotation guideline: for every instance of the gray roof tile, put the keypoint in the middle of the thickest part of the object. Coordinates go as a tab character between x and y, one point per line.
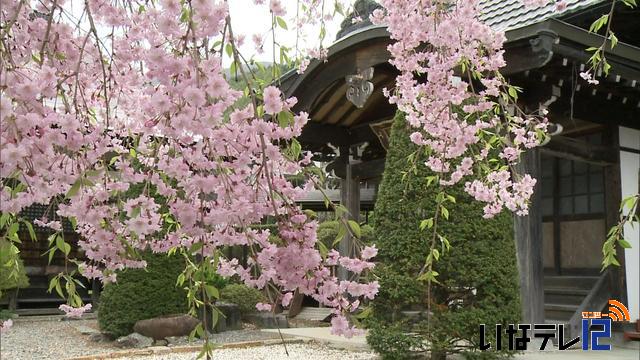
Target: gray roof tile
512	14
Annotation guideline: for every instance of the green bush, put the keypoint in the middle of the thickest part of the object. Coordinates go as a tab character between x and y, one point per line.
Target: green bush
8	278
245	297
478	281
142	294
328	231
6	315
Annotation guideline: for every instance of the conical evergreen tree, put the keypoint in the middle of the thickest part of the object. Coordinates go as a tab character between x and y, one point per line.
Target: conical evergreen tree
478	280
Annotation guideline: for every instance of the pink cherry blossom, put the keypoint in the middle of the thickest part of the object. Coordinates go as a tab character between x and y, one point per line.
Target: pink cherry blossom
276	8
5	325
272	100
286	299
74	312
263	307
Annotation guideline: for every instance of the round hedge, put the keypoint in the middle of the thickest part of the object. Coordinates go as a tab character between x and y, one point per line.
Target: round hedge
245	297
478	281
142	294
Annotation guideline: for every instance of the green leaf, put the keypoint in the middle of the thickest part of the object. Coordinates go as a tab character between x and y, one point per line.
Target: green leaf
296	148
285	119
365	313
66	248
444	212
624	243
281	22
13	229
215	316
323	249
513	93
52	252
229	49
60	243
426	223
196	247
342	231
630	3
614	40
355	228
184	16
73	191
180	279
3	219
598	24
212	291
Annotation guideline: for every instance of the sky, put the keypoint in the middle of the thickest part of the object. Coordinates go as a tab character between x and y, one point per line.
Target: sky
249	19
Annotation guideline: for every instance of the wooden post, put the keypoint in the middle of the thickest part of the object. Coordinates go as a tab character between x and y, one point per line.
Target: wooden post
349	198
528	236
613	197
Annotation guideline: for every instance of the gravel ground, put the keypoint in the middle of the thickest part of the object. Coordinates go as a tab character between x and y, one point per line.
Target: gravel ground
50	339
234	336
273	352
40	338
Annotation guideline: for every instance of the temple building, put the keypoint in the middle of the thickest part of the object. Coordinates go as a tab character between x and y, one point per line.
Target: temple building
590	164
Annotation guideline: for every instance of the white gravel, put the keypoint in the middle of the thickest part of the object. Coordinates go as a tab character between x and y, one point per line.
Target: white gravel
49	339
53	339
307	351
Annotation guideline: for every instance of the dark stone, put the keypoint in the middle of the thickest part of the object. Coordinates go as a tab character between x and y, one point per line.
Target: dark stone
165	326
228	320
134	340
98	337
268	320
231	318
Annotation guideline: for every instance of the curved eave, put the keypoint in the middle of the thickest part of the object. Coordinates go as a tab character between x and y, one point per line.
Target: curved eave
291	80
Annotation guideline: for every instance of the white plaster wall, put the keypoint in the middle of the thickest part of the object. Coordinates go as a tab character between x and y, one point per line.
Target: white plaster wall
629	171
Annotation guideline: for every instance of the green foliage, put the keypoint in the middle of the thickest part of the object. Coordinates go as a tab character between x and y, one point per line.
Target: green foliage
142	294
11	277
477	280
245	297
392	342
6	315
328	231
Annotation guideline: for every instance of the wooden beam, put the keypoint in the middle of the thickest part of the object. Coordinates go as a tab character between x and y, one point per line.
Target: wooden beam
613	197
528	236
364	170
572	149
317	133
350	198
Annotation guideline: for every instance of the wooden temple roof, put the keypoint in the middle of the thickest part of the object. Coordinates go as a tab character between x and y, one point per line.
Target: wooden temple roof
544	54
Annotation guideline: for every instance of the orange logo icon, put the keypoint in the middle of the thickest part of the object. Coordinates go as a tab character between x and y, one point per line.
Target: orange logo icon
617	311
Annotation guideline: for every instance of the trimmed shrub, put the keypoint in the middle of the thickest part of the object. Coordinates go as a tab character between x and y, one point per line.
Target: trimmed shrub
478	281
7	258
245	297
142	294
328	231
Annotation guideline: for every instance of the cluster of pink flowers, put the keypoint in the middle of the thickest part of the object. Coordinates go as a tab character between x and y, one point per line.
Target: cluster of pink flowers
450	90
147	143
74	312
5	325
